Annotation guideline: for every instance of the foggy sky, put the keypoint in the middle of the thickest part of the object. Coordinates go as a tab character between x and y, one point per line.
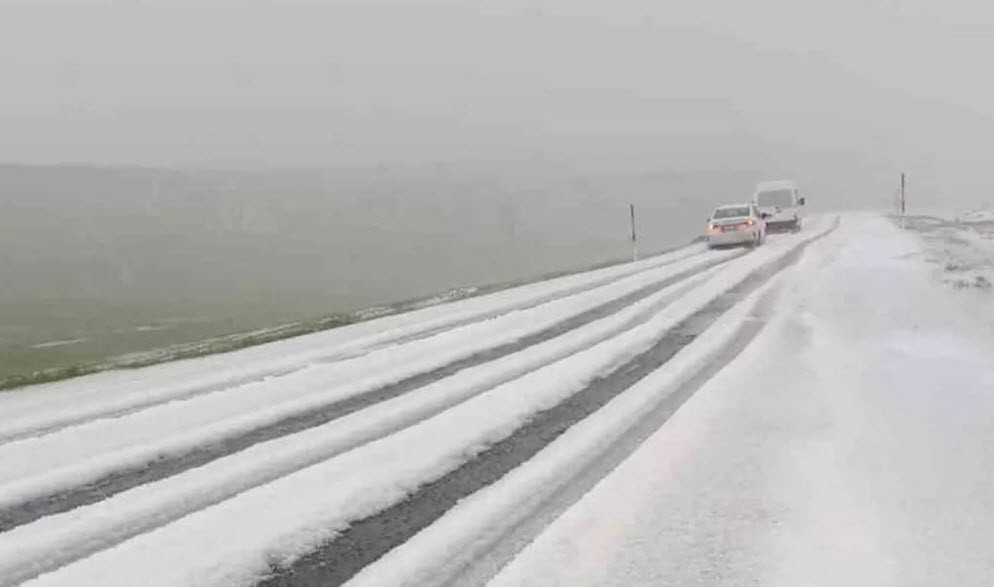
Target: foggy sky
841	95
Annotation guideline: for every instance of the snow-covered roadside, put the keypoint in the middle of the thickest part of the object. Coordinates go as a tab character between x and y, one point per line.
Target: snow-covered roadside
978	216
963	251
75	455
279	521
44	406
864	460
65	537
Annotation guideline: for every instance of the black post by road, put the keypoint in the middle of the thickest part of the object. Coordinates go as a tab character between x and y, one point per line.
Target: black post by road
635	246
904	207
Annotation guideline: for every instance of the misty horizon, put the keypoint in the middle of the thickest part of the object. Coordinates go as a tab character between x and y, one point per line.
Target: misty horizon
603	88
252	163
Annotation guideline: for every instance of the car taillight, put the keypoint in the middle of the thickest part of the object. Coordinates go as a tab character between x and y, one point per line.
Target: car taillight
750	222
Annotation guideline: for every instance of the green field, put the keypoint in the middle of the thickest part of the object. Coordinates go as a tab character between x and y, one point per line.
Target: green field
103	262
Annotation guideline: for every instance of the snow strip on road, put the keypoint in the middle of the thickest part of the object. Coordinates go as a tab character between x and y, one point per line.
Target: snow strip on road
441	550
280	521
43	407
74	456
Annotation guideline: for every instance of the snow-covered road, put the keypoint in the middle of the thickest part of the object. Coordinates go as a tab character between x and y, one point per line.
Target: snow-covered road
849	444
815	411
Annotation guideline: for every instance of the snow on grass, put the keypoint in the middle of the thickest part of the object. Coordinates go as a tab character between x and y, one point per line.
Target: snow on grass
69	457
962	250
58	343
238	540
43	407
978	216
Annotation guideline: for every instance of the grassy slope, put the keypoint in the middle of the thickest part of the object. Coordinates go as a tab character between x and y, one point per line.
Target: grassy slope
135	260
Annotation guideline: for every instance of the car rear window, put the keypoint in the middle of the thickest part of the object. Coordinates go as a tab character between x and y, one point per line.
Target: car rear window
731	212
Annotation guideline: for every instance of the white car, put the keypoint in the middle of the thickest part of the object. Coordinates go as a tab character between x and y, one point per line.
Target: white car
779	203
737	224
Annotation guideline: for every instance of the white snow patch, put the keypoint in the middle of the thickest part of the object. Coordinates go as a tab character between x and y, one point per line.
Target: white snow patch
154	327
58	343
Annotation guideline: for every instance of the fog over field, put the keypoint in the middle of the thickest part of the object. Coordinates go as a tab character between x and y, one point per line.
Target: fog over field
129	258
194	169
327	240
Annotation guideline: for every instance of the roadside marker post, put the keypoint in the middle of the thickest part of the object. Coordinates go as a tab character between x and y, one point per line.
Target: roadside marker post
904	208
635	244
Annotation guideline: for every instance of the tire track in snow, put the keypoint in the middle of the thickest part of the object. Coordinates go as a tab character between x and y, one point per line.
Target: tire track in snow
37	508
366	540
509	544
489	556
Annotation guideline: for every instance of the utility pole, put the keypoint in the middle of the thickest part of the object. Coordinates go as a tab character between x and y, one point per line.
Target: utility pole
635	244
